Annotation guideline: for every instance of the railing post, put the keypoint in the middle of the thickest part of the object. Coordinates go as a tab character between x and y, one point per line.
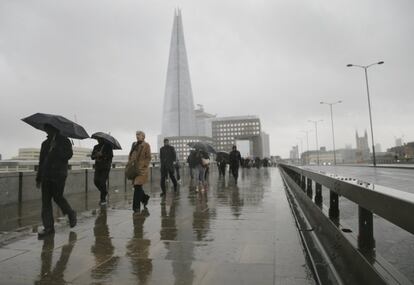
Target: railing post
125	183
20	197
309	188
303	183
86	180
318	194
333	205
366	241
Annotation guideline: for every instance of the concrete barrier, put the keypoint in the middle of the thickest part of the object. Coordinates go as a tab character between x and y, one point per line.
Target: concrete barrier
18	187
9	187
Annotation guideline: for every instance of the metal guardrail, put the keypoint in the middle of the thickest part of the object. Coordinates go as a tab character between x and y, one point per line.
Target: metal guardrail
395	206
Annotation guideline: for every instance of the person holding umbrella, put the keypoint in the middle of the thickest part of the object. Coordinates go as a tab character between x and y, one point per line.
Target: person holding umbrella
102	154
55	153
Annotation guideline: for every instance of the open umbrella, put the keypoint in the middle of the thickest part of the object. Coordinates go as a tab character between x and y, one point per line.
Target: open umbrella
66	127
202	146
222	155
108	138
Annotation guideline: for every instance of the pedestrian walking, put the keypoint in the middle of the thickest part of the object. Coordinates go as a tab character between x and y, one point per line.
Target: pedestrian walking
140	157
168	157
235	160
102	153
55	153
192	162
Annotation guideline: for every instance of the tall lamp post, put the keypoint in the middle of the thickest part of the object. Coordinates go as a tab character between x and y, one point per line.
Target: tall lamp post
301	152
316	136
333	134
365	67
307	145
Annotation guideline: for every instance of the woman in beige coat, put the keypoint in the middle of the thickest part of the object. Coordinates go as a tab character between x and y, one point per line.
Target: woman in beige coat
141	154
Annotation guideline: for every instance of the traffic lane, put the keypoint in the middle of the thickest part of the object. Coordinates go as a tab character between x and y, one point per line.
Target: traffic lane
399	179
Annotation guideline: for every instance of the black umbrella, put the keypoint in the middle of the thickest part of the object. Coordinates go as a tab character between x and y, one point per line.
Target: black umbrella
108	138
202	146
66	127
222	155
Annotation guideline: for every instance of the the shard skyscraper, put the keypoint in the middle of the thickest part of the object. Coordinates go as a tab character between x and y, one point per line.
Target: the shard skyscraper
178	118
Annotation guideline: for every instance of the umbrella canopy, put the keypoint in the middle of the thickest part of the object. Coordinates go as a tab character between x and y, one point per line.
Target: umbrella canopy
202	146
108	138
66	127
222	155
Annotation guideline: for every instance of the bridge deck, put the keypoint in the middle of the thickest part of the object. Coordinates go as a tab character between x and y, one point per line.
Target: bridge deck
230	234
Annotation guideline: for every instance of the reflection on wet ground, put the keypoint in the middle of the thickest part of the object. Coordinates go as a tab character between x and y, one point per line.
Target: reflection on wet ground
229	234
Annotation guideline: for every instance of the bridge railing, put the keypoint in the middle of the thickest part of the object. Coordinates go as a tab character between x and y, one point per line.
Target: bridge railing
395	206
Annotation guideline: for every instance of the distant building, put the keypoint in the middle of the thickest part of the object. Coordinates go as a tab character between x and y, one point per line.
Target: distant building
404	152
398	142
79	153
378	148
181	123
294	153
181	145
362	148
30	153
228	130
265	144
203	122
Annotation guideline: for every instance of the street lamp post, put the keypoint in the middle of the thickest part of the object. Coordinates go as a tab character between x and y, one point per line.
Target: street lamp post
301	152
333	134
365	67
316	136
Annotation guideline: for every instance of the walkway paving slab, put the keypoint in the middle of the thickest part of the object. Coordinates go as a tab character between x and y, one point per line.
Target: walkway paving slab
230	234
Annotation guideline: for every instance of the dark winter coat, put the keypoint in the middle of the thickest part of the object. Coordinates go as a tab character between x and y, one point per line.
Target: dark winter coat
102	154
167	156
55	153
192	159
235	158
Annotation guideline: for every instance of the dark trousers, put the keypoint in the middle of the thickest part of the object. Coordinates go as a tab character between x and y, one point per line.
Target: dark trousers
177	171
234	171
100	178
165	171
222	168
139	196
53	189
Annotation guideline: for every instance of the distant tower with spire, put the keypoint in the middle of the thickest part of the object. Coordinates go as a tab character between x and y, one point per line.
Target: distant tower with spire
178	118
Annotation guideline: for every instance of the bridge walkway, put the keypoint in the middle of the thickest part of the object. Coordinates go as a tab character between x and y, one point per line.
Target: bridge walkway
229	234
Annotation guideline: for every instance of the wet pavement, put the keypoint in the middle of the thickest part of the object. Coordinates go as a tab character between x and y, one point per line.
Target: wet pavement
229	234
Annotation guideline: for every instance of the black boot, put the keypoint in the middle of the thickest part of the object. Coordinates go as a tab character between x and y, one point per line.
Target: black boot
145	201
72	219
46	232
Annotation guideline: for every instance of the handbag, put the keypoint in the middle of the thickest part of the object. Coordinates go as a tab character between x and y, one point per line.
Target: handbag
205	161
130	170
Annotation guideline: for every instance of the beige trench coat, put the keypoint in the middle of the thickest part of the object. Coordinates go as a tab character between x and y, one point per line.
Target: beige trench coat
142	155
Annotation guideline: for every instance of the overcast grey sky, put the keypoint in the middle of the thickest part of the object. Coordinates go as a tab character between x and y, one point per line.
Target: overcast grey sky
106	62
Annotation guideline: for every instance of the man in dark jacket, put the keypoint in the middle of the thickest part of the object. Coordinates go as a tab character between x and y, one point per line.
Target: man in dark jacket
235	160
167	159
55	153
192	162
102	154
